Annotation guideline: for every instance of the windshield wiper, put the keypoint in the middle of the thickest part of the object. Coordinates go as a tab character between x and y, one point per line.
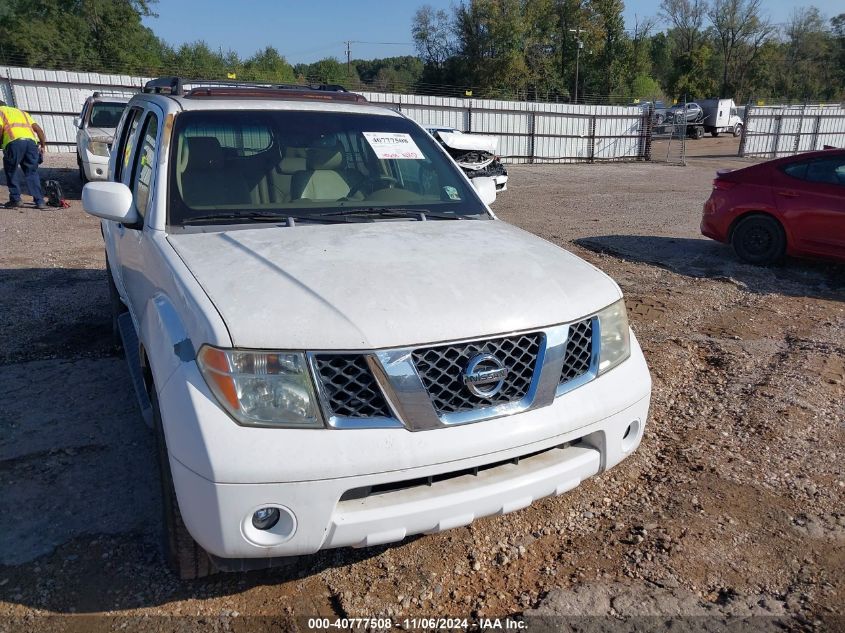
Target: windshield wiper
393	212
259	216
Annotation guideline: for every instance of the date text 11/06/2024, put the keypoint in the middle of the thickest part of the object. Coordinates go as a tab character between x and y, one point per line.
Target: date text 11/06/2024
418	623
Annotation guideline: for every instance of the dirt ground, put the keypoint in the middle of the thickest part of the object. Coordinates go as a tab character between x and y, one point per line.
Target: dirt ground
731	509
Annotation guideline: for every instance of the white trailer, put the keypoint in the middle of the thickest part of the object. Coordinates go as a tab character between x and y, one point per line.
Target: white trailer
721	115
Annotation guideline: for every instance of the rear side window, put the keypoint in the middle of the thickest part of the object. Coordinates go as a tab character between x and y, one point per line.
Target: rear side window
796	170
829	171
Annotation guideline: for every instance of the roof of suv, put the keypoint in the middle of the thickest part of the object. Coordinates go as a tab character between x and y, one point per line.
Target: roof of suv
216	95
110	98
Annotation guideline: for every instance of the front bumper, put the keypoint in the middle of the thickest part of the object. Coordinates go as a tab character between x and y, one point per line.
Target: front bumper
323	479
323	514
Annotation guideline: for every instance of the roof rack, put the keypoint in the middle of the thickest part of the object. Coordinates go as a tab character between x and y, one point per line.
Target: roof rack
108	93
180	87
173	85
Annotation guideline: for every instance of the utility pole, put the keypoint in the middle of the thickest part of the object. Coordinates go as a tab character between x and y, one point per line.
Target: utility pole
578	46
348	56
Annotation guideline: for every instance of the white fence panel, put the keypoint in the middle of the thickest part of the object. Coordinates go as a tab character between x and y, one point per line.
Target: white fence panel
773	131
54	97
527	131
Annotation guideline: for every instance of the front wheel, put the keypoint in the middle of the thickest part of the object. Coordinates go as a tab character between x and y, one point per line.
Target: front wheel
82	175
183	554
116	305
759	240
737	130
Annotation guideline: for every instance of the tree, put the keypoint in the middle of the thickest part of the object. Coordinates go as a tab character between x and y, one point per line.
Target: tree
432	31
269	66
396	74
327	71
98	35
808	45
740	31
687	20
837	25
607	15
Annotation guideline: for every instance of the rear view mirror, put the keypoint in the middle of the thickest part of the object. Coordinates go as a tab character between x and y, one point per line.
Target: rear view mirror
77	122
486	189
110	201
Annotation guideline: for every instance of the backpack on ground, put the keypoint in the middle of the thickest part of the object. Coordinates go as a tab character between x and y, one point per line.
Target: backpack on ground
54	194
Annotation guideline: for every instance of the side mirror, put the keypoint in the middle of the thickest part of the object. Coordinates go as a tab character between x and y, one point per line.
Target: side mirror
77	122
486	189
109	201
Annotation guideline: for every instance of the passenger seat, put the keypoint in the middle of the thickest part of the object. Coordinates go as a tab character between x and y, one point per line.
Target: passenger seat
322	179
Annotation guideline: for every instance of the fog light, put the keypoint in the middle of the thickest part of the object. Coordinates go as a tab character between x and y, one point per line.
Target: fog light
631	437
265	518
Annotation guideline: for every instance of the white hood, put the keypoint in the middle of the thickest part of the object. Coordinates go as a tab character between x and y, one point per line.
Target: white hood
101	133
388	284
470	142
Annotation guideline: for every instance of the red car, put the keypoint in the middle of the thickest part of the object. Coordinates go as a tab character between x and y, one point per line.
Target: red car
787	206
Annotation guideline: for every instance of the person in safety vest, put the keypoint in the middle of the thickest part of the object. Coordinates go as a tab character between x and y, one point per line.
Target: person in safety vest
20	138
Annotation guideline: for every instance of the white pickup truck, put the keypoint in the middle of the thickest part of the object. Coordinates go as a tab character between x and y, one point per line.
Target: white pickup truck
335	340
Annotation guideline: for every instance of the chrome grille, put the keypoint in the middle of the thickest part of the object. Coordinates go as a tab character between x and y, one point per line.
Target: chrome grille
349	386
579	351
441	369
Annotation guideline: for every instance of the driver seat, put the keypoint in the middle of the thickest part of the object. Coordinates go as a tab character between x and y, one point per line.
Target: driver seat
322	179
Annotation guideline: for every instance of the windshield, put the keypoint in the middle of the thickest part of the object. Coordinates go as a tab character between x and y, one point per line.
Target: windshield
237	164
105	114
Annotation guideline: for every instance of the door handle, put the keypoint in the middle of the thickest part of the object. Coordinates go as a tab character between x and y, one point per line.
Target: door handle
788	194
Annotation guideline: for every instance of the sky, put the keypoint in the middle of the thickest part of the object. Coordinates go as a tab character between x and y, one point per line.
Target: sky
305	31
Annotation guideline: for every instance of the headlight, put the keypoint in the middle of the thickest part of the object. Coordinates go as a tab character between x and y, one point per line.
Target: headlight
615	336
98	148
261	388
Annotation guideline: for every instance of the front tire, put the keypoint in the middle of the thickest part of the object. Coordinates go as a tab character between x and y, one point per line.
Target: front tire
759	240
82	175
117	307
183	554
737	130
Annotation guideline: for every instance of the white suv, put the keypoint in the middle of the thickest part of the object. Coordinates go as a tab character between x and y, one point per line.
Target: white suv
335	340
95	133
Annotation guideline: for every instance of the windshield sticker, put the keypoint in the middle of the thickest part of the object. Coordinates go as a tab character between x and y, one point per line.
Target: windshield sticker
393	145
452	193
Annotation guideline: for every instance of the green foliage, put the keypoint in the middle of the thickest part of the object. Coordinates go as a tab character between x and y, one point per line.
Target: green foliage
328	71
267	65
521	49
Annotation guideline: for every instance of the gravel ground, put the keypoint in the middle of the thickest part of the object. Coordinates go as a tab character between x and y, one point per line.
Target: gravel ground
732	507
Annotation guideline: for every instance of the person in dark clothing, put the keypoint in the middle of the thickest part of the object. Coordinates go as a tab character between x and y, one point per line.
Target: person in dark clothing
23	143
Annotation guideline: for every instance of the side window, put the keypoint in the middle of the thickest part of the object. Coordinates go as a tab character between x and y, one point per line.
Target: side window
830	171
142	174
124	148
796	170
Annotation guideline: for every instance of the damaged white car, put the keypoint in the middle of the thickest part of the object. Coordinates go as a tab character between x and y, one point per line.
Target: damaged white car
476	154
